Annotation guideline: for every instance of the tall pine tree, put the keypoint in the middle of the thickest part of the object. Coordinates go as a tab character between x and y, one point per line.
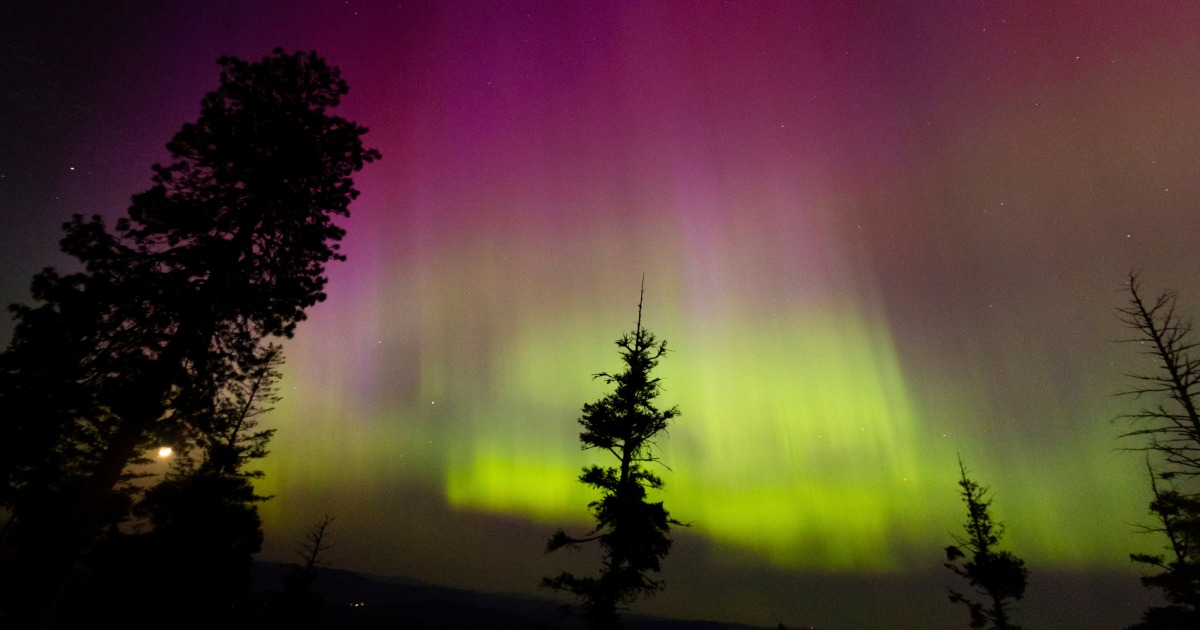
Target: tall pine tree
631	530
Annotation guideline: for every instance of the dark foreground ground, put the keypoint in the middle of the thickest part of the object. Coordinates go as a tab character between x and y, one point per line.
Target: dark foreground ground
1059	600
355	601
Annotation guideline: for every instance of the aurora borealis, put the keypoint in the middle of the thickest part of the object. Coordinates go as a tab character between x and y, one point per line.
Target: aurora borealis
875	239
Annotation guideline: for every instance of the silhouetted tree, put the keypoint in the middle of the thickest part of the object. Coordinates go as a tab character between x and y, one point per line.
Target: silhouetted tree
311	548
189	553
1170	426
226	248
302	606
204	515
998	577
631	530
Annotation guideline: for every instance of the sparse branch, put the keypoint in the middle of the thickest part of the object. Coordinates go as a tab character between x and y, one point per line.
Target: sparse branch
315	543
1169	430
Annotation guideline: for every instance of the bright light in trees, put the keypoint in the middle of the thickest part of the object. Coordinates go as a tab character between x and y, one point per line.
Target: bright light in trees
165	451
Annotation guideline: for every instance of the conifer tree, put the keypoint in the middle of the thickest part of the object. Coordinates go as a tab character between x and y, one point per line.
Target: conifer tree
631	530
997	577
1169	425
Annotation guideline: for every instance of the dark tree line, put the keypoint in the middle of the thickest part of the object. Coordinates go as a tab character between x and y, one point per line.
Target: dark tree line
160	338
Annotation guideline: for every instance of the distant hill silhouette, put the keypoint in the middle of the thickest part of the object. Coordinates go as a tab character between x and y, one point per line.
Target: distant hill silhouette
368	602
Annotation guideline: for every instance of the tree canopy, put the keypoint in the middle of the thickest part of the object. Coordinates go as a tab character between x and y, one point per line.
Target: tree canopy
138	347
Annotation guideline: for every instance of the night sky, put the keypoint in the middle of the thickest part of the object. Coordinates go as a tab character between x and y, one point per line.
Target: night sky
875	239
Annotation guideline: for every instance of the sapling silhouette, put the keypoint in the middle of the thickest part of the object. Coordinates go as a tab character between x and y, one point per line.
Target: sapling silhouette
315	543
302	606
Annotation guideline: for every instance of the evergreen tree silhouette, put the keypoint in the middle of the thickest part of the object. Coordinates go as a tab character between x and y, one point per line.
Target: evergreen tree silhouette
1170	428
998	577
227	248
631	530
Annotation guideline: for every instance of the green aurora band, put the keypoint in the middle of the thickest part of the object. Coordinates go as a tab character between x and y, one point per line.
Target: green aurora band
801	441
801	445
